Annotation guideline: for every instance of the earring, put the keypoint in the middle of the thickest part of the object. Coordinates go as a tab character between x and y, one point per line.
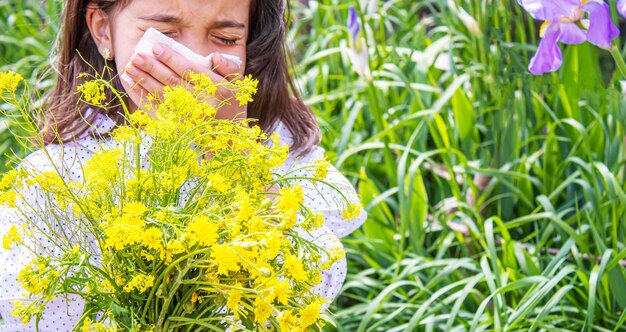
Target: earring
106	54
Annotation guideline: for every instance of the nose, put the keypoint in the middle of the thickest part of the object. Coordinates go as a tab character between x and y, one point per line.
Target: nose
198	42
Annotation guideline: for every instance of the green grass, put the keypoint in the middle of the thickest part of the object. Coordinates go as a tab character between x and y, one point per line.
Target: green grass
496	199
27	33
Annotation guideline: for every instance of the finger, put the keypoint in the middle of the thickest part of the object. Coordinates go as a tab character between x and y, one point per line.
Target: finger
174	61
156	69
226	68
144	80
136	92
181	65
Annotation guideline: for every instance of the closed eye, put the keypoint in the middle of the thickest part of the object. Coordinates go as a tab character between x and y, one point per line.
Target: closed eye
226	41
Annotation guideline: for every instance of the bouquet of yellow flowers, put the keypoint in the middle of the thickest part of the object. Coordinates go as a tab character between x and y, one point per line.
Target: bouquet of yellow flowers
173	226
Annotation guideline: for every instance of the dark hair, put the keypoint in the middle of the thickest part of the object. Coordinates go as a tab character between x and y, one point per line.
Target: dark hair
267	60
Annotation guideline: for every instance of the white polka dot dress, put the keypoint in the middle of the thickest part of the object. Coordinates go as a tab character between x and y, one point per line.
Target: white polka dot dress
62	314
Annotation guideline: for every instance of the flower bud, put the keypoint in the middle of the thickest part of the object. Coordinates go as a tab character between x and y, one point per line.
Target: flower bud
357	51
369	6
265	272
467	19
354	28
470	23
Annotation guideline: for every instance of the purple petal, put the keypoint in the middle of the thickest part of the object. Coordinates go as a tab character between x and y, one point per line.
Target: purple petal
601	30
548	57
354	25
621	7
571	34
549	10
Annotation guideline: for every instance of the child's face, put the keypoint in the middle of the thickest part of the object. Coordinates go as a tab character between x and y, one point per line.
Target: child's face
204	26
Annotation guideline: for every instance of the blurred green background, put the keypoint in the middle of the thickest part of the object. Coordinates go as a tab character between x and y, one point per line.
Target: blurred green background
496	198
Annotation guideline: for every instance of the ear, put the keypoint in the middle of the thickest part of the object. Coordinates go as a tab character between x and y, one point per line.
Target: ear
100	28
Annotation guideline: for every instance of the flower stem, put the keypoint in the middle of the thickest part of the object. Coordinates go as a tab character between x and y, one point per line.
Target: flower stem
619	60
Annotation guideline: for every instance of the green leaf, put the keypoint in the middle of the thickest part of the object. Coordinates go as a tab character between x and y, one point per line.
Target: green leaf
464	119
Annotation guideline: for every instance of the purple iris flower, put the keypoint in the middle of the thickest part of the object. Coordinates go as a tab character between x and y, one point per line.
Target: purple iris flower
357	51
354	27
569	22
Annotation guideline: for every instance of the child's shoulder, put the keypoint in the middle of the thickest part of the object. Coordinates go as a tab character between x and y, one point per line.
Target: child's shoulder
69	156
286	137
44	159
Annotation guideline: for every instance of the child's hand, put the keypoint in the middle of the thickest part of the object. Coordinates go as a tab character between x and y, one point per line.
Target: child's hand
168	68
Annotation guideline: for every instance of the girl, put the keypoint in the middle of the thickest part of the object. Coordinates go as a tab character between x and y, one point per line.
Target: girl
104	32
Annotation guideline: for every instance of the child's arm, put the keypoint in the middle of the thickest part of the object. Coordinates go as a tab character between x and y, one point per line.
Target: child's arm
329	196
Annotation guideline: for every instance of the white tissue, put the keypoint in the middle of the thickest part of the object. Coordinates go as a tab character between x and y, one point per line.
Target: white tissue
153	36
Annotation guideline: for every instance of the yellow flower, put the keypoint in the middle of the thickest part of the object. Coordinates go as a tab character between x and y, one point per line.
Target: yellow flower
140	118
140	282
49	181
273	241
9	81
173	178
279	152
289	219
8	198
295	268
22	311
139	185
315	277
234	226
318	220
314	221
202	82
86	325
90	326
246	89
126	134
151	238
336	255
226	259
37	276
180	110
220	183
311	313
11	238
93	92
352	211
124	231
8	179
258	269
135	208
202	230
246	208
288	321
234	297
321	169
282	291
102	169
172	249
262	310
290	199
256	225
